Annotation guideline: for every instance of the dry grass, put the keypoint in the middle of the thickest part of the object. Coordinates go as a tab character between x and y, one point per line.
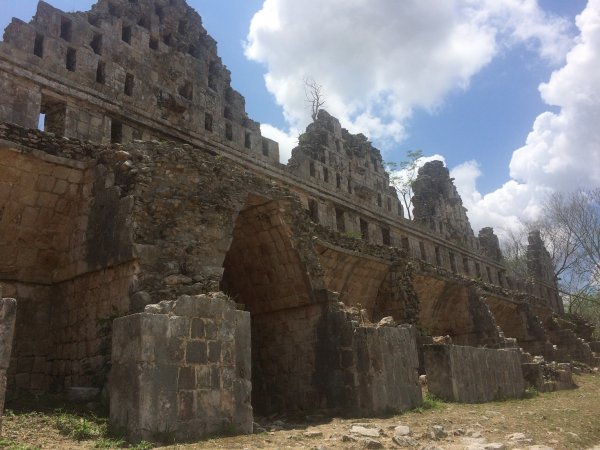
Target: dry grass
561	420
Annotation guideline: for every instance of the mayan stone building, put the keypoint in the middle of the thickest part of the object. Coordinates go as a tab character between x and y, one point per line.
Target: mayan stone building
160	253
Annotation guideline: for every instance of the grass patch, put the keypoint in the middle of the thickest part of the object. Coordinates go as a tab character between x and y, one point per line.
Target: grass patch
531	392
80	428
430	402
7	444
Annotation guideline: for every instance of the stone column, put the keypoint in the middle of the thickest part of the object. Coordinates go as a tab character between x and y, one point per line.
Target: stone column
182	370
8	314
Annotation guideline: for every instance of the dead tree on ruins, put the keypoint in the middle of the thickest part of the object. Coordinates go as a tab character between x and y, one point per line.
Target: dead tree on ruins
314	95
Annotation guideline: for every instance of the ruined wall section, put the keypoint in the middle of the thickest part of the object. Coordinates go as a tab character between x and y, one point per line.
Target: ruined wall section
350	166
473	375
437	205
123	71
541	269
371	369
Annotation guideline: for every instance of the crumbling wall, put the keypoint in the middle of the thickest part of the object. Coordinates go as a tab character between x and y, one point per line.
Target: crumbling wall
128	70
182	368
541	269
437	205
370	370
8	313
453	307
519	321
331	158
473	375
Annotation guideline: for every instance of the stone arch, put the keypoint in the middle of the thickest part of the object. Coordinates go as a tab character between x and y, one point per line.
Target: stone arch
265	271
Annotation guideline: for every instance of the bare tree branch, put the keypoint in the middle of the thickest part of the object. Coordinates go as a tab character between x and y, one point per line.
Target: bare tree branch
314	95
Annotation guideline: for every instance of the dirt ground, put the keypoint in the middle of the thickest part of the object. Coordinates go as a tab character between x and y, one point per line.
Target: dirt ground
558	420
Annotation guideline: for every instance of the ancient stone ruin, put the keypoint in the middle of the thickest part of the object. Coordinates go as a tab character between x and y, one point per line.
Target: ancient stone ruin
160	253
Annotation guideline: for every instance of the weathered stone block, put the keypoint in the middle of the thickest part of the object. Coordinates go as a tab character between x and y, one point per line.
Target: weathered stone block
473	375
164	380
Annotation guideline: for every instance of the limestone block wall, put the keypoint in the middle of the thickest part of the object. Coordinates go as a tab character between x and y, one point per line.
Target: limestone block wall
44	220
8	313
473	375
183	368
371	370
63	331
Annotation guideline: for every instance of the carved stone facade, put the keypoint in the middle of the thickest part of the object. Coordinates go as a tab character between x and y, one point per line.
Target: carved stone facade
149	186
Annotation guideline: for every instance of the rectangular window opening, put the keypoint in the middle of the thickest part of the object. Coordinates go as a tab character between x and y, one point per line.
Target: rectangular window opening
181	27
41	121
248	140
93	20
313	210
193	50
438	256
227	113
71	62
406	244
158	10
153	43
113	10
364	229
385	236
477	270
340	221
466	265
96	43
389	203
129	82
126	34
488	272
228	131
338	181
187	90
452	262
144	22
101	72
38	45
422	251
116	132
265	147
379	200
53	116
325	175
208	122
349	186
311	168
66	28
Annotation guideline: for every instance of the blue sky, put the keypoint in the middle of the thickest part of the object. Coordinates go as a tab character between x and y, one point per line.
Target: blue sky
457	78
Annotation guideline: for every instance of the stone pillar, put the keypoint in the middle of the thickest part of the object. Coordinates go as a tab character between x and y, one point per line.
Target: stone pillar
8	314
181	370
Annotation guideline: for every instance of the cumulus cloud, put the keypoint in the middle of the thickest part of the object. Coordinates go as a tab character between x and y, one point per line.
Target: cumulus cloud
562	151
378	60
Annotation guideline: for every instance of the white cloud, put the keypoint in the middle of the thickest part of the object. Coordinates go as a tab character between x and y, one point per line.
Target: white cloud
562	151
378	60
